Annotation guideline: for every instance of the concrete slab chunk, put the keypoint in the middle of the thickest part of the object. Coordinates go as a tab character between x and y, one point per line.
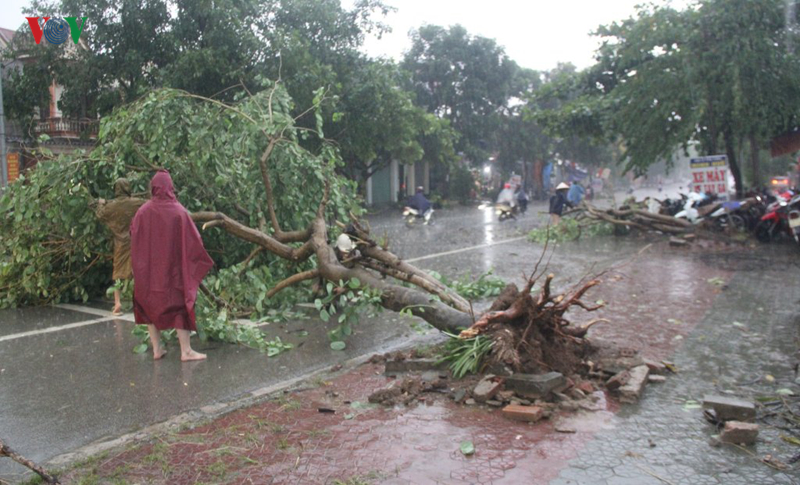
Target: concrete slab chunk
739	433
535	386
730	409
530	414
632	390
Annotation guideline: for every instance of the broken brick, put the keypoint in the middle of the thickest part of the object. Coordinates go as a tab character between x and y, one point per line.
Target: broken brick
739	433
530	414
618	380
586	386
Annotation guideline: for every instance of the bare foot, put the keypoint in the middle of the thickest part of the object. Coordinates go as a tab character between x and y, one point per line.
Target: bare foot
117	311
160	353
192	355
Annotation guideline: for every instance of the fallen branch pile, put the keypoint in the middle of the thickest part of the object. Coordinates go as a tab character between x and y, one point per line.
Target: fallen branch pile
634	218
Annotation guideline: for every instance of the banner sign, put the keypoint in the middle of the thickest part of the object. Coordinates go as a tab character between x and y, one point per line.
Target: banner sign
710	174
12	160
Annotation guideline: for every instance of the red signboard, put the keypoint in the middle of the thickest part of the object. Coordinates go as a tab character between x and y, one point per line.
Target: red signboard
12	160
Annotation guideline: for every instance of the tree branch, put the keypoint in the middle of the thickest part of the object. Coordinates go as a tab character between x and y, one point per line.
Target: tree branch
5	450
284	237
294	279
255	236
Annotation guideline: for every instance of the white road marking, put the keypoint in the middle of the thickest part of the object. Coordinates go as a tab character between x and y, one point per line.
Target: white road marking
55	329
127	317
84	309
462	250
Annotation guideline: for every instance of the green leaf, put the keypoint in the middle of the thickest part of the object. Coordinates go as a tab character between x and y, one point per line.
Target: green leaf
324	315
338	345
354	283
791	440
318	304
467	448
140	349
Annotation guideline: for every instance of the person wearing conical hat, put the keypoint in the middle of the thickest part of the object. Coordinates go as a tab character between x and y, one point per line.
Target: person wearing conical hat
557	203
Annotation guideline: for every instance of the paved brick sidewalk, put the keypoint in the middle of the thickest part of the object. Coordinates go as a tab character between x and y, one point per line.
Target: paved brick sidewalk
288	440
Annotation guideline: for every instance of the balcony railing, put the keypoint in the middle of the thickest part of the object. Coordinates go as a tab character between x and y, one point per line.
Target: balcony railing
67	128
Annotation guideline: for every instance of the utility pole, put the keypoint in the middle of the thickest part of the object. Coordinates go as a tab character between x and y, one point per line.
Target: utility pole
3	161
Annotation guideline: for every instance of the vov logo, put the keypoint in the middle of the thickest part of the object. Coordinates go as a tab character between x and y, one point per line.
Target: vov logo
57	30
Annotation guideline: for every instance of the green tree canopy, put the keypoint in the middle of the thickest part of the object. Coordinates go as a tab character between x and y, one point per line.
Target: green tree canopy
721	74
54	249
465	79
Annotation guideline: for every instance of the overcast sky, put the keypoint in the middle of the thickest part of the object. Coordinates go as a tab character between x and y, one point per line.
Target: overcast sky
536	33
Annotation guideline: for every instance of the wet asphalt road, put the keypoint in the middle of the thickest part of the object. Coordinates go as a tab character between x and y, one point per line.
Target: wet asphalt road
68	376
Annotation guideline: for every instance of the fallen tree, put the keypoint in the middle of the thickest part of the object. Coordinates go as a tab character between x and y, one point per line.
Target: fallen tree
633	218
241	168
270	209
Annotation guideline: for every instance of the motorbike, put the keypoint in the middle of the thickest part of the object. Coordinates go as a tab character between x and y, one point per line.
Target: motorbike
691	204
729	216
781	217
412	216
506	211
670	207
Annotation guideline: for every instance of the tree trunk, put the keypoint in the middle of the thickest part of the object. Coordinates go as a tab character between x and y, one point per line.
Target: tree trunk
395	297
730	150
755	162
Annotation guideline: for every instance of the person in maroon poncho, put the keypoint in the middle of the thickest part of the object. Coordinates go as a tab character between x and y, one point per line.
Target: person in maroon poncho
169	262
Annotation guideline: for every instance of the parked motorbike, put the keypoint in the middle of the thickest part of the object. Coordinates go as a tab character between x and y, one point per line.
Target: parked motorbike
781	218
670	207
728	217
505	212
412	216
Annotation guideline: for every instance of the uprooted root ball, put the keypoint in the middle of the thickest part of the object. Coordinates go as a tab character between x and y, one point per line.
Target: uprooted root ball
530	333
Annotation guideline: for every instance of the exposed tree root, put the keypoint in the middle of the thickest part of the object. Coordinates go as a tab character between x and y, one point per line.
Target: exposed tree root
531	333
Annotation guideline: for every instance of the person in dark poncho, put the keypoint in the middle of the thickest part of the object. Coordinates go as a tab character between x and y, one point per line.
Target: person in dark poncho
557	203
169	263
421	204
117	215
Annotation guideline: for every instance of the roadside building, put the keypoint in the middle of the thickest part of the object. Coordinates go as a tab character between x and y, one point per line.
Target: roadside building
65	133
